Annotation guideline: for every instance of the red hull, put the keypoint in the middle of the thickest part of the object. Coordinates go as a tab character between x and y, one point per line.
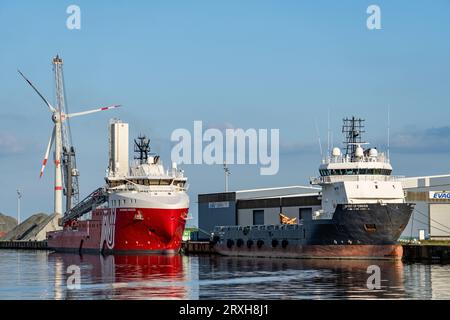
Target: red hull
124	230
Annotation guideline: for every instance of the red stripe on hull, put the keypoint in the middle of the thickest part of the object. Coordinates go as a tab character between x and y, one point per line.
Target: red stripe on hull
389	252
124	230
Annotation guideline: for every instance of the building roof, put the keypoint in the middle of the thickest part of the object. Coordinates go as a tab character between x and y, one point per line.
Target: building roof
442	181
289	191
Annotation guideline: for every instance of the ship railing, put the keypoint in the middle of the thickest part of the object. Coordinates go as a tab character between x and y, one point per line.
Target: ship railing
140	188
347	159
362	178
268	227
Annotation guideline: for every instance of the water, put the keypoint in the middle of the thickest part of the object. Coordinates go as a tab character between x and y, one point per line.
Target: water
43	275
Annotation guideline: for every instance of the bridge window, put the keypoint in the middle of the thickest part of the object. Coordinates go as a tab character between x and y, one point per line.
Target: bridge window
348	172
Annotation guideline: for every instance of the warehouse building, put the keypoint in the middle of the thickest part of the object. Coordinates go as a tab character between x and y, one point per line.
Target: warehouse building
255	207
430	219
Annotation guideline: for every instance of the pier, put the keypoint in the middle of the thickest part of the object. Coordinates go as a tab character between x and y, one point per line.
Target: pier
426	252
423	252
189	247
24	245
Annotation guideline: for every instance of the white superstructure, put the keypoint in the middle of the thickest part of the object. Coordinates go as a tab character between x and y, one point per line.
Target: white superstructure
360	176
145	183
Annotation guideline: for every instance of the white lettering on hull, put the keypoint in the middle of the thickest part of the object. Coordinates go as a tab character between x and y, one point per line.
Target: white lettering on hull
108	230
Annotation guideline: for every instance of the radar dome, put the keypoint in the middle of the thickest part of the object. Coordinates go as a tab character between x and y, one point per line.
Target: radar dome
373	153
336	152
359	152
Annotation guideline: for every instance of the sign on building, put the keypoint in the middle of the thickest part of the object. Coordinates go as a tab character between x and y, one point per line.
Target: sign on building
219	205
439	195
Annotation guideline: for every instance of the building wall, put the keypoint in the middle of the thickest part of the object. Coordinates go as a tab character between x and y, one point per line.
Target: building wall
271	215
429	214
222	209
418	221
440	225
215	210
245	216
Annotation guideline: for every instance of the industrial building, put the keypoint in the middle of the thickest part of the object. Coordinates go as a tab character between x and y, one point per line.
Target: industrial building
430	219
255	207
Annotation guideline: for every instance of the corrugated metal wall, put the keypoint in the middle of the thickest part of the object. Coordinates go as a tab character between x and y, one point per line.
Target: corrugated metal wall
440	223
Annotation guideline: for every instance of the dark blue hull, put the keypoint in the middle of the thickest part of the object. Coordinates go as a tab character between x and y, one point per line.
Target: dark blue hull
355	231
372	224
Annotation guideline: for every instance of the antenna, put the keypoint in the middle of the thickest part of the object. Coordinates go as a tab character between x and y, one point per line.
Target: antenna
332	140
328	133
318	137
227	173
389	133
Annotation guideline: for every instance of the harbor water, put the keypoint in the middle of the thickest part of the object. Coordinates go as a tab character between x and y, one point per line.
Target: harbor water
49	275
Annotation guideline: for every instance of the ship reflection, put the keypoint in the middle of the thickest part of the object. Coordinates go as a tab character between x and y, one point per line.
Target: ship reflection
218	277
299	279
121	276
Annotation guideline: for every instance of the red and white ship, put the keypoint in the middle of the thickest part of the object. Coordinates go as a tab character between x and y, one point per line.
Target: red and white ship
141	209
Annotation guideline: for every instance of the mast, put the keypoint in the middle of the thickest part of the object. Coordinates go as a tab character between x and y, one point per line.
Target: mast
68	174
142	148
353	128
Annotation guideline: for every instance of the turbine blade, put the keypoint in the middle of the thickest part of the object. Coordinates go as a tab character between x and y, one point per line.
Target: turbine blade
37	91
49	146
76	114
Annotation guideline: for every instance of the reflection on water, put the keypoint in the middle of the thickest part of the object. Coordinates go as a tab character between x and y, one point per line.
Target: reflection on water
43	275
298	279
123	276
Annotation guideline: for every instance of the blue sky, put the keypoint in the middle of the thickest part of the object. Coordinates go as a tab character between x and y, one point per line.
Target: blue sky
241	64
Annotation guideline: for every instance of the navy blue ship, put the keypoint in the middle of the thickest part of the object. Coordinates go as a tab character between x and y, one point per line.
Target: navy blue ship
363	211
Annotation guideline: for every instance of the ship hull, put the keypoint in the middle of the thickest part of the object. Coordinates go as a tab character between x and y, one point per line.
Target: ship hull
365	252
123	231
368	231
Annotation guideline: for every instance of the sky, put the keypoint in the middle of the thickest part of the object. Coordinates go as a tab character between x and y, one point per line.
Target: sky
232	64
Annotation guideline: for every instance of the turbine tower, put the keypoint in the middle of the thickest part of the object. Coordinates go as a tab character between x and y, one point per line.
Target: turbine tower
59	116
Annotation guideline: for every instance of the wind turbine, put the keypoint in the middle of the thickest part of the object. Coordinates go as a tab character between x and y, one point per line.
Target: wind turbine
58	117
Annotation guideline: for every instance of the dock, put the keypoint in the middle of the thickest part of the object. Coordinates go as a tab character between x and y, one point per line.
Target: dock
23	245
426	253
411	252
197	247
